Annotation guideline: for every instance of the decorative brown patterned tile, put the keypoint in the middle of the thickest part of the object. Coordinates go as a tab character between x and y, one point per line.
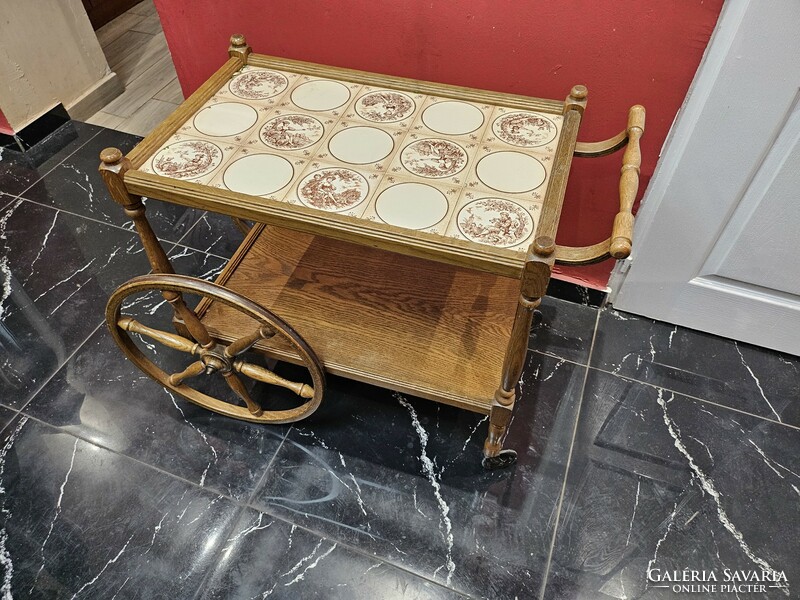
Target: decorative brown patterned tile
189	158
385	108
524	130
257	86
434	159
335	188
494	220
288	131
412	203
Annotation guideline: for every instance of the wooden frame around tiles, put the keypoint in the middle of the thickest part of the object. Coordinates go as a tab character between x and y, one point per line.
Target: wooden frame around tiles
383	344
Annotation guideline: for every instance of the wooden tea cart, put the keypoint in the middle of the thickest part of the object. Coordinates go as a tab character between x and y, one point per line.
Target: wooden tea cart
347	270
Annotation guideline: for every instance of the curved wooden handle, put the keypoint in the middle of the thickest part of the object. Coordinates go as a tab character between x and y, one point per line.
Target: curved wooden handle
622	233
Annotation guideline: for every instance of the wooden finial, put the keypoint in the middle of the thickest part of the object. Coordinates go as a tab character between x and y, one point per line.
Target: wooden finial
576	99
238	47
110	156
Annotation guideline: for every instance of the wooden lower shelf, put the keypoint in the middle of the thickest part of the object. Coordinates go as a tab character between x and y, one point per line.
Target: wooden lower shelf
419	327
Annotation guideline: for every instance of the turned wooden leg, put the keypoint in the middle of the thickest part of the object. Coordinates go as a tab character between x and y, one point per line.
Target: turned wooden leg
112	169
505	396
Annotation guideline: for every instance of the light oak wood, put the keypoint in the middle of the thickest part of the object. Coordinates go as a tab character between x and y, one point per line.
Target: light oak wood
416	86
427	329
597	149
622	234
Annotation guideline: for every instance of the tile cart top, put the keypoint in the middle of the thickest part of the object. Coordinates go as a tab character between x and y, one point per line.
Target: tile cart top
464	170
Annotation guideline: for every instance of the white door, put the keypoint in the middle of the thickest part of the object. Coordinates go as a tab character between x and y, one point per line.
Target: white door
717	235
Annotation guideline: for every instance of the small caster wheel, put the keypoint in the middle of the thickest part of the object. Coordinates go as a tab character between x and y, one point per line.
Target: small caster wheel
505	459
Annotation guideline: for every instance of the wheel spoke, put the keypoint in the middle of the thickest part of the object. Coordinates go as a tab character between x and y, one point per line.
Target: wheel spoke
193	370
170	340
267	376
244	343
237	386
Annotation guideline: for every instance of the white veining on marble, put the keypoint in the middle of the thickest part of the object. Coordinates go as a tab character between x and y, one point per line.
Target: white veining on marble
5	555
65	280
758	383
670	523
482	421
43	245
770	462
302	575
708	486
56	514
214	454
127	579
428	469
156	529
633	516
244	533
103	570
703	444
553	372
358	488
5	268
671	334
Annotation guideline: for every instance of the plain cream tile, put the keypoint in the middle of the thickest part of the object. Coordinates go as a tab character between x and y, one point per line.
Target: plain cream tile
512	172
318	95
455	120
412	203
260	173
223	120
361	145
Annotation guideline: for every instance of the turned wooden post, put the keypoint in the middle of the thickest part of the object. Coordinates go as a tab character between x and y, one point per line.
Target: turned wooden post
112	168
533	285
239	47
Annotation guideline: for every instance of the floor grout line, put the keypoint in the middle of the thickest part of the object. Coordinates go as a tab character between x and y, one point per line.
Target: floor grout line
549	562
698	398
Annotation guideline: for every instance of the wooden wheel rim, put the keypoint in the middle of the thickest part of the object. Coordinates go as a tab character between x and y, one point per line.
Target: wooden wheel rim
181	283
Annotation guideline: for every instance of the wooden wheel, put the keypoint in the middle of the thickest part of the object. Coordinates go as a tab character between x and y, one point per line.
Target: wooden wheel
212	356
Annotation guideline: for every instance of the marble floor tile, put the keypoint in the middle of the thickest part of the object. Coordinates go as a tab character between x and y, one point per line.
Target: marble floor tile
19	171
661	481
75	186
755	380
401	479
564	330
268	557
60	270
214	233
83	522
6	415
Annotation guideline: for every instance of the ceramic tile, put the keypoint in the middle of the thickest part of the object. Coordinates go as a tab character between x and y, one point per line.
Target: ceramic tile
384	107
192	159
259	173
322	96
412	204
58	270
400	479
660	481
215	234
433	159
334	188
502	170
520	129
80	521
494	219
258	87
361	145
293	132
451	119
304	565
223	121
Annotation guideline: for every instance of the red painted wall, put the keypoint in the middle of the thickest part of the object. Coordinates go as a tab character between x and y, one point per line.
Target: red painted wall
5	126
625	51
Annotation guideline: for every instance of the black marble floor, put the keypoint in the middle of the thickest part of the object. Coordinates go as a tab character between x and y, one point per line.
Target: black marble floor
642	446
